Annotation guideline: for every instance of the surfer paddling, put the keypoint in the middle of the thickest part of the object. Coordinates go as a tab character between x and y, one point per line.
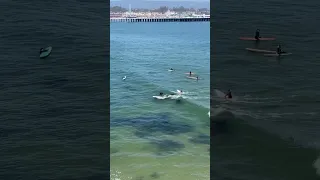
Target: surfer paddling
228	95
279	50
257	36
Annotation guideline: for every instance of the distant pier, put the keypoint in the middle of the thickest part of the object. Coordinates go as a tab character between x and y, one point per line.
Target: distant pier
165	19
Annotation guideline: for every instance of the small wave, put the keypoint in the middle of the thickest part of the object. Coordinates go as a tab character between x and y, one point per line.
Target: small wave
247	99
259	100
219	93
222	114
185	92
176	97
192	96
218	110
221	111
196	97
316	165
116	175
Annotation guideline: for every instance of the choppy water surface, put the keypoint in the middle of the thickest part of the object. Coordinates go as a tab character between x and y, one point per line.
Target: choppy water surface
53	110
272	128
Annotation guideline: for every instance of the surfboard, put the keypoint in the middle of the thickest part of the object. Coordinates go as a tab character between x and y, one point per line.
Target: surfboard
170	70
254	39
189	73
46	52
260	50
282	54
192	77
160	97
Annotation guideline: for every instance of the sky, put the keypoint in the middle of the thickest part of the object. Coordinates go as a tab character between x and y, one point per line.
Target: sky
171	0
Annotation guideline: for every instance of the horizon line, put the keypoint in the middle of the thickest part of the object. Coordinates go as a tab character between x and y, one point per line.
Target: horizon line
167	0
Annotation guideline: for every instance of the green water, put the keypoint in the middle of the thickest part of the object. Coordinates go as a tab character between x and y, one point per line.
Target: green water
151	138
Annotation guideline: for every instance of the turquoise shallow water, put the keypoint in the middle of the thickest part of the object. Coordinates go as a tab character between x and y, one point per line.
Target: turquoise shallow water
163	139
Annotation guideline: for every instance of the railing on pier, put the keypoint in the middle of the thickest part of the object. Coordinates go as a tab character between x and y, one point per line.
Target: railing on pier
169	19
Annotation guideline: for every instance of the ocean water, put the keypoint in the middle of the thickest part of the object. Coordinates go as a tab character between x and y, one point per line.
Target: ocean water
271	130
53	111
152	138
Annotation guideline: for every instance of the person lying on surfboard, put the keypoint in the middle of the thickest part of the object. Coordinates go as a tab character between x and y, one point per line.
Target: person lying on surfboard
228	94
257	36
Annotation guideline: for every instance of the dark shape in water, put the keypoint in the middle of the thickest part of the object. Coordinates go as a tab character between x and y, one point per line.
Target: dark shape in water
178	101
167	146
220	122
155	175
113	150
148	125
219	128
138	121
200	139
139	178
113	137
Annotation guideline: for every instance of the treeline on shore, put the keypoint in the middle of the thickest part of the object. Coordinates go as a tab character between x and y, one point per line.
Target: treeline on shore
162	9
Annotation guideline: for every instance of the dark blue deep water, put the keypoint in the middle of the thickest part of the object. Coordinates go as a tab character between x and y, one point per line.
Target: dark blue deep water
271	128
53	111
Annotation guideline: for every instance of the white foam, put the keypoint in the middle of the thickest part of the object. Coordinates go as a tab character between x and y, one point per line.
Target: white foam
316	165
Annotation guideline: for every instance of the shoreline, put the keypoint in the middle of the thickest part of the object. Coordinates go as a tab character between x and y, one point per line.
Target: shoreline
159	19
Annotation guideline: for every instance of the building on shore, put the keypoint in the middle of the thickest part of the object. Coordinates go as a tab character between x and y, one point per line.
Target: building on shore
157	15
152	14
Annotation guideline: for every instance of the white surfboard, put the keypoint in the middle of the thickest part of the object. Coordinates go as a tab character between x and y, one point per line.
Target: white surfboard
160	97
191	77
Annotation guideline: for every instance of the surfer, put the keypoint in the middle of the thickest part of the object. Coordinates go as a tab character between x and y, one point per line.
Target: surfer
161	94
228	94
190	73
257	36
197	78
279	51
